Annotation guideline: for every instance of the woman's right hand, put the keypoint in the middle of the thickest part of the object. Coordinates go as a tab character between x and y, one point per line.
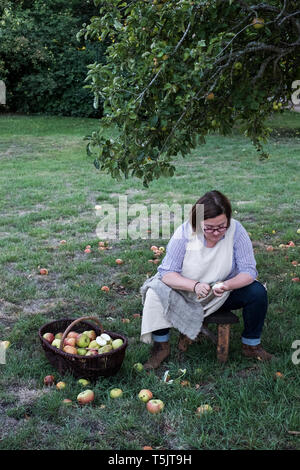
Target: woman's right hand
202	289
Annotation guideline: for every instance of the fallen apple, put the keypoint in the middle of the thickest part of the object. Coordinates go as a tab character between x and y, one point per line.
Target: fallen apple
119	261
258	23
295	263
86	397
49	337
67	401
87	250
82	340
83	382
43	271
153	248
115	393
147	448
60	385
5	344
291	243
105	288
210	96
278	375
145	395
138	366
49	380
117	343
296	279
270	248
203	409
155	406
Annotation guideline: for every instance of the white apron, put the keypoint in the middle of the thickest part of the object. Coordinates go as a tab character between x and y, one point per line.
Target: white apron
202	264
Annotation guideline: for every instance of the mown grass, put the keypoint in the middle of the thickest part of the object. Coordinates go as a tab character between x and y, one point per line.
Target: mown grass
48	190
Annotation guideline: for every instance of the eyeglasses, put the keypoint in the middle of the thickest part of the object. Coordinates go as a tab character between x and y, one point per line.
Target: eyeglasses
220	229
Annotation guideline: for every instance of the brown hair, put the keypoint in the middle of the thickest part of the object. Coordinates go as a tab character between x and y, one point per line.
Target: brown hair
215	203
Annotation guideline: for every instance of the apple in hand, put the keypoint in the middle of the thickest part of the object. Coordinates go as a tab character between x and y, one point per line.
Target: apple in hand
155	406
116	393
85	397
145	395
49	337
82	340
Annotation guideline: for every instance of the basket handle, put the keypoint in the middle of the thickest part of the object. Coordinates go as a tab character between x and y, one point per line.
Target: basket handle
78	320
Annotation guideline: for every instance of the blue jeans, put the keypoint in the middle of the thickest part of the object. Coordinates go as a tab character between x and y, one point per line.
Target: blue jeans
253	300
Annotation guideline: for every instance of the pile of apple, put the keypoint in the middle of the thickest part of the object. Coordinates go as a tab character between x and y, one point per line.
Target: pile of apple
84	344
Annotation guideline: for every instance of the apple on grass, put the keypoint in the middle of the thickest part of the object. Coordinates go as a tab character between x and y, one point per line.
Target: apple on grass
83	382
138	366
145	395
86	397
155	406
203	409
60	385
49	380
67	401
115	393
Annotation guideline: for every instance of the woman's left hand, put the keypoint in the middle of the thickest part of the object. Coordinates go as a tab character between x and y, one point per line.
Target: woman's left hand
219	291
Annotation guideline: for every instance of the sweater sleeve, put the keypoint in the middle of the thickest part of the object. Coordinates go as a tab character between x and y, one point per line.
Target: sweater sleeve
175	252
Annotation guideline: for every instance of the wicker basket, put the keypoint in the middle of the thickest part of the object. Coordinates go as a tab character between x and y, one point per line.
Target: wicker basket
89	367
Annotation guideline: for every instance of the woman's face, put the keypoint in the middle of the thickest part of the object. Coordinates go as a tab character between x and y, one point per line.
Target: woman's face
215	228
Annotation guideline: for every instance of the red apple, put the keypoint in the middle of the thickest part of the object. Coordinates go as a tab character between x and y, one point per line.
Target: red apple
145	395
87	250
43	271
91	334
72	334
85	397
49	380
70	350
155	406
119	261
67	401
105	288
49	337
92	352
295	279
270	248
70	342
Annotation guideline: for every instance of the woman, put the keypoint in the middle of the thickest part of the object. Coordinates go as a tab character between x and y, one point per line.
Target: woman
213	249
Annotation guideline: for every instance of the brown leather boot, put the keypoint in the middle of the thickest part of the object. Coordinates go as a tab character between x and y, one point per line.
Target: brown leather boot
159	353
257	352
184	342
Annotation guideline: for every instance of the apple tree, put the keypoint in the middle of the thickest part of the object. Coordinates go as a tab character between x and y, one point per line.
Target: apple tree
176	70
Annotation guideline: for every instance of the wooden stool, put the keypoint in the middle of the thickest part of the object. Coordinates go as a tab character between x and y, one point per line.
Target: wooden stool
223	319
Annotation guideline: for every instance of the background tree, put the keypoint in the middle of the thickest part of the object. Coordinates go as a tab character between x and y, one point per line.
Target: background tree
178	69
42	62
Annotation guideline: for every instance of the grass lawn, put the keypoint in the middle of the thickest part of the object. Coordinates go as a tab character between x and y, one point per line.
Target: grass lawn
48	190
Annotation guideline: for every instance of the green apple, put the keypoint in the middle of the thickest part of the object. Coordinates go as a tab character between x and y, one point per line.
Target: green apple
81	351
117	343
203	409
91	334
82	340
56	343
145	395
105	349
94	345
58	335
138	366
115	393
83	382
